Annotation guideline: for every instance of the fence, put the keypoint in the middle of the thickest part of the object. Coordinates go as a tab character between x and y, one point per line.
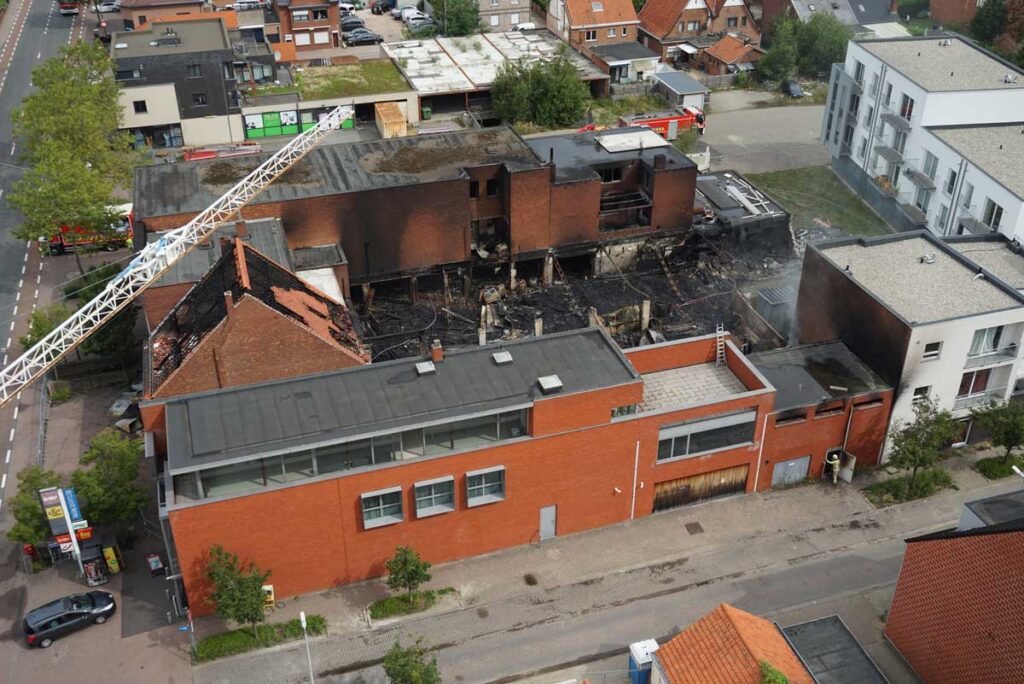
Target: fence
623	90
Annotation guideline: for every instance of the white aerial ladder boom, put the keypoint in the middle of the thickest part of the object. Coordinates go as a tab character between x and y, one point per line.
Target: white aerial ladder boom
154	259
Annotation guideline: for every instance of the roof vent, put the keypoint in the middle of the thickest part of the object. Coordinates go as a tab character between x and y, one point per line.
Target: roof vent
928	259
549	384
1010	78
946	42
425	368
502	357
120	46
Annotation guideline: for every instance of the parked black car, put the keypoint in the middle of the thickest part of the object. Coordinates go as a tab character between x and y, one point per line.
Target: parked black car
352	22
792	89
380	7
361	36
59	618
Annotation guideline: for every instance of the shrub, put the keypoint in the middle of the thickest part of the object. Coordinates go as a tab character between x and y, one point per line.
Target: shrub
59	393
770	675
997	467
902	489
406	604
242	640
742	80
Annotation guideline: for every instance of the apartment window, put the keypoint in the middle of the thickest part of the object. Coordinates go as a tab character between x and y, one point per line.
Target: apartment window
869	116
321	37
906	107
492	187
319	14
973	383
474	189
611	33
932	350
625	31
612	175
693	26
943	217
194	70
950	182
300	15
494	3
699	436
862	149
627	410
921	393
732	22
874	85
140	106
381	508
967	195
198	99
899	141
993	214
513	19
435	497
743	21
854	105
515	2
888	94
495	20
922	198
590	36
485	486
127	74
931	164
986	341
858	72
597	6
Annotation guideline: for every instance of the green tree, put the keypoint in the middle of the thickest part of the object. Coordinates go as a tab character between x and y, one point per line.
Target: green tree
407	571
30	525
409	665
43	321
237	591
917	445
989	21
546	93
117	335
821	42
779	63
1005	425
108	486
457	17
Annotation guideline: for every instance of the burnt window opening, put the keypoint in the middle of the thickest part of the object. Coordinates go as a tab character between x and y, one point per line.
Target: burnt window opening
474	189
492	187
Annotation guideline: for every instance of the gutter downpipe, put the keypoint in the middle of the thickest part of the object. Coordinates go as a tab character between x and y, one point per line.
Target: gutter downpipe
760	451
636	467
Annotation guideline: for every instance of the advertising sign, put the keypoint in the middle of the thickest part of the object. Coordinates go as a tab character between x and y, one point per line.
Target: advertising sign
71	499
79	524
50	499
83	534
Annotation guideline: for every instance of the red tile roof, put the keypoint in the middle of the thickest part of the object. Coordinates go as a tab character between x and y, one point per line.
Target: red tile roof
956	615
731	49
582	12
659	17
727	646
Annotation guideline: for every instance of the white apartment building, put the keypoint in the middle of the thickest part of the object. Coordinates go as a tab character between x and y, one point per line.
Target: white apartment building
929	132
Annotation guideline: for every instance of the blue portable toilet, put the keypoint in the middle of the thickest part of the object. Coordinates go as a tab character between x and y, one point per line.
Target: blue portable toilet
641	655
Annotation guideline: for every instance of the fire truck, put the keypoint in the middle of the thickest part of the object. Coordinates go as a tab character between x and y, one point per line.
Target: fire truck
668	124
68	7
74	238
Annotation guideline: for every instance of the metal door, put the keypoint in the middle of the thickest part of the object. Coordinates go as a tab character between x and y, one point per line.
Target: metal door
790	472
673	129
548	522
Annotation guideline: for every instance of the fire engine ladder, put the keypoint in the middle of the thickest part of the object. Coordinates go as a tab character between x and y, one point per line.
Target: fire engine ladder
155	259
720	345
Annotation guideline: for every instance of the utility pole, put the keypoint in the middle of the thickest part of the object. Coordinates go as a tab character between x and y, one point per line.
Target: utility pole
305	636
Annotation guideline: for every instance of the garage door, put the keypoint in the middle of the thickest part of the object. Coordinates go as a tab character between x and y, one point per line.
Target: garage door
701	487
790	472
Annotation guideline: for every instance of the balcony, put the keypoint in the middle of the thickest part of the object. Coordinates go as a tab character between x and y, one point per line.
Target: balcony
620	201
884	184
913	213
889	154
975	400
919	179
844	149
974	226
895	120
996	357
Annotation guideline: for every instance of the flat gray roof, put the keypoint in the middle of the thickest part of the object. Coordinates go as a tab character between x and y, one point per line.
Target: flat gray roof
895	270
999	509
629	50
187	187
230	425
576	155
961	65
832	653
814	373
681	82
203	35
264	235
997	150
995	256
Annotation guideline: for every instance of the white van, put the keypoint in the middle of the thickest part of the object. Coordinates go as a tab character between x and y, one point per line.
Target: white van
346	7
525	26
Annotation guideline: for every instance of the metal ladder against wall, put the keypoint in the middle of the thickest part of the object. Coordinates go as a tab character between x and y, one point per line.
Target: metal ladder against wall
719	345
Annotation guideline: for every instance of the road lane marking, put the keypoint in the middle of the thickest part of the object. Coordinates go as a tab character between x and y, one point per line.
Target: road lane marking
13	146
15	312
12	326
16	412
7	458
12	436
35	295
3	482
20	283
17	296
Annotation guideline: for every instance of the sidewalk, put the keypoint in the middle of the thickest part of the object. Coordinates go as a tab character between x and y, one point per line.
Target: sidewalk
583	576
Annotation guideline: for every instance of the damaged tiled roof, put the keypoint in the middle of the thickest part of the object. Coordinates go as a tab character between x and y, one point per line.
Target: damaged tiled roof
731	49
600	12
243	271
659	17
727	646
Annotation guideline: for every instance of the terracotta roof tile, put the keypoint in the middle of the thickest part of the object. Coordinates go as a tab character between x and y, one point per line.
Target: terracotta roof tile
731	49
659	17
727	646
582	12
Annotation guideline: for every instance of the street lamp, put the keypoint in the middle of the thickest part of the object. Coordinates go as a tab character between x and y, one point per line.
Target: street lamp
305	636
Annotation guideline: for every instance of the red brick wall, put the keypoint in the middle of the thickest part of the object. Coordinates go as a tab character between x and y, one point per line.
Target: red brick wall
953	11
956	615
530	209
665	356
574	208
673	198
254	344
721	23
578	38
557	414
330	24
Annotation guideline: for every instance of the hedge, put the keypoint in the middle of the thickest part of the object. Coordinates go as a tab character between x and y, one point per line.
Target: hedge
242	640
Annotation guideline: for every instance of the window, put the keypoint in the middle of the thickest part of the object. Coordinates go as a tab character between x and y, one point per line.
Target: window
696	437
899	141
993	214
381	508
195	70
888	94
300	15
922	198
492	187
319	14
874	85
943	216
198	99
321	37
628	410
494	3
142	19
435	497
611	175
597	6
950	182
127	74
494	20
743	21
485	486
932	350
732	22
590	36
302	38
863	148
513	18
693	26
140	106
906	107
474	188
921	393
854	105
237	478
611	33
968	195
974	383
625	31
931	164
858	72
986	341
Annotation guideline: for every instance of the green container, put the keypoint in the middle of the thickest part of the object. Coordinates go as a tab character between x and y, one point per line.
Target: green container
426	112
348	123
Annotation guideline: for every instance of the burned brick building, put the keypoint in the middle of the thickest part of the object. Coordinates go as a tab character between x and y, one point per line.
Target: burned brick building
404	206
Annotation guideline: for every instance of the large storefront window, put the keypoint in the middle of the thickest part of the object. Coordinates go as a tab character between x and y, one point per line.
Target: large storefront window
709	434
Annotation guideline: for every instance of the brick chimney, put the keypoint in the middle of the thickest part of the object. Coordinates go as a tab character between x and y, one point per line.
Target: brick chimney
240	230
659	162
894	6
436	352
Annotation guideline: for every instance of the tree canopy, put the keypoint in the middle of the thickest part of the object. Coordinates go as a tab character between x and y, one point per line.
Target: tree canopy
116	335
108	485
409	665
918	444
1005	425
42	322
457	17
989	21
30	525
237	590
809	48
407	571
779	63
545	93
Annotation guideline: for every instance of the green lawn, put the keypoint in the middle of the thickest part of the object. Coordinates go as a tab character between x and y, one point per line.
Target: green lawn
346	80
817	198
607	111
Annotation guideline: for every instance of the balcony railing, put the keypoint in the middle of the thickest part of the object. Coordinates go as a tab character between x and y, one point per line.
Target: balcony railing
974	226
844	149
980	399
889	153
895	120
1007	354
884	184
919	179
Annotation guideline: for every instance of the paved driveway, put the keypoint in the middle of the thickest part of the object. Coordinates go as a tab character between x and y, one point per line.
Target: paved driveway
768	139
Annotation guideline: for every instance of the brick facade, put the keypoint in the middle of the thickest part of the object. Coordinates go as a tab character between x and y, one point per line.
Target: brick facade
664	24
312	27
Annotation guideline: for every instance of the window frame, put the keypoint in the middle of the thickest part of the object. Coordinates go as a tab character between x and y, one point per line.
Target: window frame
143	110
993	214
921	393
434	508
590	36
951	179
383	520
929	355
194	70
686	430
485	499
732	22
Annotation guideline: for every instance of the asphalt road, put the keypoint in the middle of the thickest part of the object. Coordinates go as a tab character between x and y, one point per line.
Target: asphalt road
760	139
